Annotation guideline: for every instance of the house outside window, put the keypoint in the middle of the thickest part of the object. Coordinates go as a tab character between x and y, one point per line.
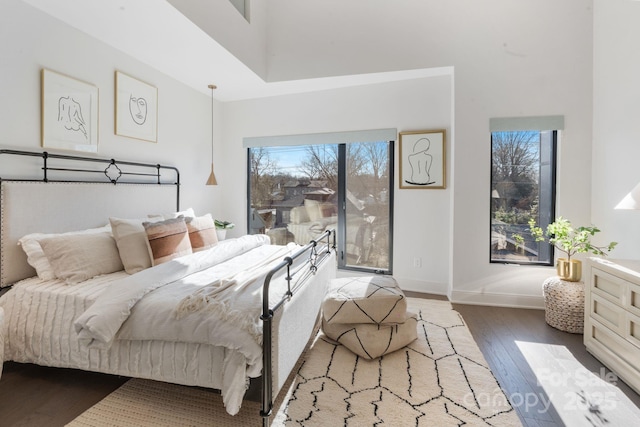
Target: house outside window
297	191
523	170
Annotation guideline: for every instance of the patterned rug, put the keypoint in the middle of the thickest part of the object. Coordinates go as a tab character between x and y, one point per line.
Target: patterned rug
441	379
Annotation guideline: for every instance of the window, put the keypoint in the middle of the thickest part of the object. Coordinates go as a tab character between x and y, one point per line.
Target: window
522	189
298	191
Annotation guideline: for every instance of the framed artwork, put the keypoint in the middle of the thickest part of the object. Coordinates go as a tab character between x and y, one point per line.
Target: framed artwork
69	113
423	159
136	108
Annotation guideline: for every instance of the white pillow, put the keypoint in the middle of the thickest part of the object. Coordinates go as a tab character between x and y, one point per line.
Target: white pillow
187	213
131	240
35	256
79	257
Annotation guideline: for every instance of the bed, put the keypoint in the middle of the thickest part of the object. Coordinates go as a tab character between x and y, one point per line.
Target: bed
173	321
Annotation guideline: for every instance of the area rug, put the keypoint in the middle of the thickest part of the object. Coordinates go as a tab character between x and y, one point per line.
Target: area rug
441	379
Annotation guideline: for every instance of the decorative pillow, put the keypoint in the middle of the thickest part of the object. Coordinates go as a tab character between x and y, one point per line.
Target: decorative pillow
35	256
78	257
202	232
131	240
187	213
314	210
369	299
370	340
167	239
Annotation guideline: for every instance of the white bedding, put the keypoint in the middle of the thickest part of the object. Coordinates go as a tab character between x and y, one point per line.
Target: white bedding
144	337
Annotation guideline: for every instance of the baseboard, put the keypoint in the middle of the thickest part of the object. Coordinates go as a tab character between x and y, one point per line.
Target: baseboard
464	297
422	286
497	300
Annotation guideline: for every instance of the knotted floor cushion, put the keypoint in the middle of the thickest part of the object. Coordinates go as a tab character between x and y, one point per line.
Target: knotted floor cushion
370	299
369	340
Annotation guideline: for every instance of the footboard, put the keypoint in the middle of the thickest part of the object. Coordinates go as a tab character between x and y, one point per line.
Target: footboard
290	323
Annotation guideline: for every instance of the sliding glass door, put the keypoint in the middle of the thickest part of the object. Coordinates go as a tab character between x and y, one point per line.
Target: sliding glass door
297	192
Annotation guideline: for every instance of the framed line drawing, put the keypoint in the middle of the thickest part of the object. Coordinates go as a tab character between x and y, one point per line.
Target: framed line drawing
423	159
69	113
136	108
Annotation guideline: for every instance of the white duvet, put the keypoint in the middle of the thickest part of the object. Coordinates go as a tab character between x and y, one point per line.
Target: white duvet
118	313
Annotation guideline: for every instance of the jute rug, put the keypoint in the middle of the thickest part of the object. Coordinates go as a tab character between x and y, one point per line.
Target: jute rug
441	379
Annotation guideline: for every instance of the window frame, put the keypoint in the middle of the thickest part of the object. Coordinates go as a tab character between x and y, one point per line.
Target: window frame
342	200
549	214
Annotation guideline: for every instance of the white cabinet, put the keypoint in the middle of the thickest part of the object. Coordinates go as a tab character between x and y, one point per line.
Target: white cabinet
612	316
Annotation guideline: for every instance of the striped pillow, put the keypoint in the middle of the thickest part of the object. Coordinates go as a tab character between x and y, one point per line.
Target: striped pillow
167	239
202	232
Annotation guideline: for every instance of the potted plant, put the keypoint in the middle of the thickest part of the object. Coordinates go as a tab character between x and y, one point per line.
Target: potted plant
222	227
571	241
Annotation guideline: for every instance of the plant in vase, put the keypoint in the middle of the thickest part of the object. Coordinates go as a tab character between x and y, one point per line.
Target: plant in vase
222	227
571	241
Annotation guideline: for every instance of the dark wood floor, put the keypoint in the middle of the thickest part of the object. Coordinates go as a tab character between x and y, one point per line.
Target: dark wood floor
38	396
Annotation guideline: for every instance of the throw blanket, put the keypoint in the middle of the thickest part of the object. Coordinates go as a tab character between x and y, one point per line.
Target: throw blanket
220	295
99	325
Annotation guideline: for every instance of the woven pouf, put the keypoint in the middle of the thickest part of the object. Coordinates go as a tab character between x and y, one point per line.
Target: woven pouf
564	304
367	299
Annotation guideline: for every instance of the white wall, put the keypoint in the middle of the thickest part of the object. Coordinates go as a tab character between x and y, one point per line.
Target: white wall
247	41
616	125
422	218
524	58
32	40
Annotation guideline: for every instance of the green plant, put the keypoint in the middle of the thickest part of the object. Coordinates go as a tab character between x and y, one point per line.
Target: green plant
223	225
569	240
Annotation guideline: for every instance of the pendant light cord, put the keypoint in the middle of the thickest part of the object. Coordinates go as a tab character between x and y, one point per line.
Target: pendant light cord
212	87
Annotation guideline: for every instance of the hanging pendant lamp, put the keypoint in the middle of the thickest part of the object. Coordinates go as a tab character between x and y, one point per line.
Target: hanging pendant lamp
212	177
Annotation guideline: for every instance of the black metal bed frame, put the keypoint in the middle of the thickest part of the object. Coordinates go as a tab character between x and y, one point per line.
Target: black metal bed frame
112	174
316	250
316	256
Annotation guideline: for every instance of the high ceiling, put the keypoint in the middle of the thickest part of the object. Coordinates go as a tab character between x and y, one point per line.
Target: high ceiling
157	34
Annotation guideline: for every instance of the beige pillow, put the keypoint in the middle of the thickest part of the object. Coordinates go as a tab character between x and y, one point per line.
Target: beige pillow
167	239
367	299
369	340
202	232
78	257
35	256
132	243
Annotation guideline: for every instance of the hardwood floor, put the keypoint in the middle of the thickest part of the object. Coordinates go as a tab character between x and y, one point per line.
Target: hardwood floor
523	352
36	396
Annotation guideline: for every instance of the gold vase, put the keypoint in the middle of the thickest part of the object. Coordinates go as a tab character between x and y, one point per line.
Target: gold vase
569	270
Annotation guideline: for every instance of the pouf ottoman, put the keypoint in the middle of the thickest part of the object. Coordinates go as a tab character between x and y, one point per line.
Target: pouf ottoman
370	299
369	340
368	315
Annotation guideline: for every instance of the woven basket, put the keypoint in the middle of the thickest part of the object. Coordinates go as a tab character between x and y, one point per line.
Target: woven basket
564	304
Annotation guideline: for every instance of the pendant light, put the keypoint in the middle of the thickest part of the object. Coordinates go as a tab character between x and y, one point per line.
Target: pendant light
212	178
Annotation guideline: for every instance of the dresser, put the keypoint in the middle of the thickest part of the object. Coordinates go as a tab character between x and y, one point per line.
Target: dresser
612	316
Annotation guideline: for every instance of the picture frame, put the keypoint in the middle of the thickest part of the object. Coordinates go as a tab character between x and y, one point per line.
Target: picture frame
69	113
136	105
423	159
